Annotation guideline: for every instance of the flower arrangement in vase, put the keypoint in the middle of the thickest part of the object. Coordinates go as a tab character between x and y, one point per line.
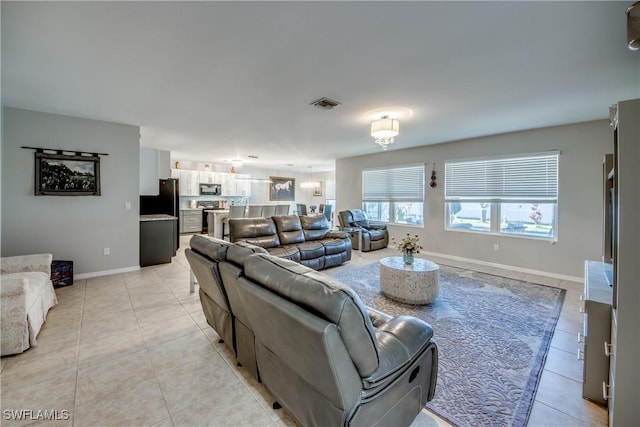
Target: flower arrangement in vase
409	246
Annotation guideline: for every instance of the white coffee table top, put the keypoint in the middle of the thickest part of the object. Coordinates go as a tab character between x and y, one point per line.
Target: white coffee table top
419	264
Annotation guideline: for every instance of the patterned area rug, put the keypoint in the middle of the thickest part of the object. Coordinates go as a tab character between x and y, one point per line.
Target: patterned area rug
493	334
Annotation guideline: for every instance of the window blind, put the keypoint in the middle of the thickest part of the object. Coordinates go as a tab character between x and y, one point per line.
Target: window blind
401	184
533	177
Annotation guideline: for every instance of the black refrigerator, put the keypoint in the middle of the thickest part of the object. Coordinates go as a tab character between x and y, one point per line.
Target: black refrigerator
166	202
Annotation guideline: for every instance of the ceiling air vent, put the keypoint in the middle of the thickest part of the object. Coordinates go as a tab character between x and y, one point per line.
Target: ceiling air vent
325	103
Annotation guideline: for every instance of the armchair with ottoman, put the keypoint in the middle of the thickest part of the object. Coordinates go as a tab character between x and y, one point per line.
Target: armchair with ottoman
26	295
374	236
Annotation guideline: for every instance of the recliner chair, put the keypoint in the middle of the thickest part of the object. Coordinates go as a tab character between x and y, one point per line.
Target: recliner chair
328	359
374	236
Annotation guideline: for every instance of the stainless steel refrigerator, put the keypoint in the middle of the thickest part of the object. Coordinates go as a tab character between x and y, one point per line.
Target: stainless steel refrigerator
166	202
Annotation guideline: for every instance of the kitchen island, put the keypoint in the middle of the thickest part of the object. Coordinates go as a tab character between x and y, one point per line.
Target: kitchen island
214	219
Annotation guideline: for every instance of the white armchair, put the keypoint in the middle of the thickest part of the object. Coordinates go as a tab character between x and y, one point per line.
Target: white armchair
26	295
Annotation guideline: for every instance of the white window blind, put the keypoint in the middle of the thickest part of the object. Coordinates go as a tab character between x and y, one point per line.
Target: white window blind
532	177
405	184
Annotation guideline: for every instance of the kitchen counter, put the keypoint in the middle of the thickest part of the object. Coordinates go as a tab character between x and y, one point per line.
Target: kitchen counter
215	217
158	217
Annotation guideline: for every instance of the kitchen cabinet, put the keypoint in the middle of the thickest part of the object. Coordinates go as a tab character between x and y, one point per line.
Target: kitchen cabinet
233	184
189	183
229	184
157	239
190	220
243	185
208	177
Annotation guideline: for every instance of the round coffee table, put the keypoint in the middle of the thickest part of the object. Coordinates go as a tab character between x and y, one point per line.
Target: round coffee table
410	284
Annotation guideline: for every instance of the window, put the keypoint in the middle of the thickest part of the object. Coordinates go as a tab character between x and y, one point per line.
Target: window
394	195
515	195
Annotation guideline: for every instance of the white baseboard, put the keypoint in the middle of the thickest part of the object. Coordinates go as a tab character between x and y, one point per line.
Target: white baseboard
106	272
507	267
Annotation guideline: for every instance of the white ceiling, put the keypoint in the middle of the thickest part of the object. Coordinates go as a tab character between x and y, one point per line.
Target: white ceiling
217	81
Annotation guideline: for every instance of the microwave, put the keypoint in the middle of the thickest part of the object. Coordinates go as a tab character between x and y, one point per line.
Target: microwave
210	189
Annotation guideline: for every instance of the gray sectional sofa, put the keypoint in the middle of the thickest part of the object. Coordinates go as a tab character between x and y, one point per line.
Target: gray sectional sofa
304	239
323	355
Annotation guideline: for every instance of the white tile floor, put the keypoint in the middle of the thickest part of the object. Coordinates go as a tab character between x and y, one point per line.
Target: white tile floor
134	349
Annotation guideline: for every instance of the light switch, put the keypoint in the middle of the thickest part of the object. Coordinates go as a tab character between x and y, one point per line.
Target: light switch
127	206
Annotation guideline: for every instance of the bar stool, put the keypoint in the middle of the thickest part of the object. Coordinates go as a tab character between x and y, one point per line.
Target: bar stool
255	211
234	212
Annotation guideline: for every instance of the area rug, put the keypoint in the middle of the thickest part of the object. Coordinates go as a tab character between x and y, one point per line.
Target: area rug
493	334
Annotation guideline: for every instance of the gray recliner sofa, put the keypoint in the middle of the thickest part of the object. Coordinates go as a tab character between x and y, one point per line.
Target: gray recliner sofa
328	359
307	240
374	236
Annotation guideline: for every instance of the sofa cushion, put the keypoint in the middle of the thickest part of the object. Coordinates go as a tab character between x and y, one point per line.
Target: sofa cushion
364	224
334	246
289	229
314	227
238	252
256	231
377	234
290	252
328	298
210	247
310	250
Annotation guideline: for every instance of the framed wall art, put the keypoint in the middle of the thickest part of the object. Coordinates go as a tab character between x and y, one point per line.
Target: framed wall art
282	189
67	175
317	190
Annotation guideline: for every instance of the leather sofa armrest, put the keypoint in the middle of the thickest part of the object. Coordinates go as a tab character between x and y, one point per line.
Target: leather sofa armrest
337	235
378	318
400	341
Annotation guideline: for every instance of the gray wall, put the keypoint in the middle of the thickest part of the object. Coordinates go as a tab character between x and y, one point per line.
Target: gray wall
582	147
71	227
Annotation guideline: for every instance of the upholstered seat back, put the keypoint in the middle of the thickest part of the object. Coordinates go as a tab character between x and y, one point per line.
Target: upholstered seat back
256	231
314	227
289	229
326	298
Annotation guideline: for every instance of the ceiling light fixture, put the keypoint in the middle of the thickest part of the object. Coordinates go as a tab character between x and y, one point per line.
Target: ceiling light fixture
633	26
384	130
310	184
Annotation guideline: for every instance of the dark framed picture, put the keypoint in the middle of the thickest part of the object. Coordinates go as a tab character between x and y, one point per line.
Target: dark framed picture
67	175
282	188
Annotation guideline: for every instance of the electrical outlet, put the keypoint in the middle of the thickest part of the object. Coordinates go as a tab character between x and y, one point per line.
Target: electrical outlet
106	251
496	247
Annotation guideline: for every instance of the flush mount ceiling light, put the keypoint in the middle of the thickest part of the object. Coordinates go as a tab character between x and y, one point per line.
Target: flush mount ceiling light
384	130
633	26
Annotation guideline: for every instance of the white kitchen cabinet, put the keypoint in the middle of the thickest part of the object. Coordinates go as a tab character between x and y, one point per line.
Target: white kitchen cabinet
229	184
243	185
208	177
189	183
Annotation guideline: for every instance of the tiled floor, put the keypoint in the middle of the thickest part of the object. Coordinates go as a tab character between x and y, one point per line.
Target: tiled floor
134	349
